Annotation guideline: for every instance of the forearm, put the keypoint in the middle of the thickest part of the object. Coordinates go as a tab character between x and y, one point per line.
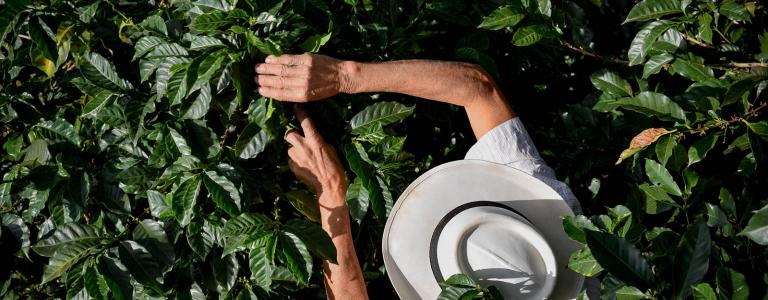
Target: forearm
345	279
456	83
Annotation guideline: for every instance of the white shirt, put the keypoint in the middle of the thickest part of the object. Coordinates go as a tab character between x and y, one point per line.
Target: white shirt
509	144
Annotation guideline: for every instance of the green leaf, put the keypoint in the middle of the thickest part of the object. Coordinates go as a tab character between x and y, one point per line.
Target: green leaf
703	291
201	42
734	10
704	30
97	102
200	238
68	235
715	216
261	267
95	284
305	203
654	104
369	182
759	128
629	293
652	9
58	130
143	267
660	176
503	17
620	258
172	52
700	148
665	148
155	23
691	179
117	277
151	235
611	83
314	42
644	40
380	113
145	45
251	141
157	204
10	15
530	35
357	200
654	65
223	192
692	70
225	272
574	227
185	198
583	263
198	107
294	254
316	239
460	280
248	224
731	284
757	228
691	260
63	259
101	72
209	22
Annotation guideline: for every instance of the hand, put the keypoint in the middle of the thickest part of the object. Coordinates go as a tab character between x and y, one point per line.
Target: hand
300	78
311	159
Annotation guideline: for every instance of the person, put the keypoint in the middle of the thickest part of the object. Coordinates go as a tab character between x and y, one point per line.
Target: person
307	77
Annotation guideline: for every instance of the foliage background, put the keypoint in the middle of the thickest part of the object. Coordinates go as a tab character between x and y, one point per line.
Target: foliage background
138	162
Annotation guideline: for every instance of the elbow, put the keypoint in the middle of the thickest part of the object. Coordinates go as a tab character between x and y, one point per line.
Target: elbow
482	88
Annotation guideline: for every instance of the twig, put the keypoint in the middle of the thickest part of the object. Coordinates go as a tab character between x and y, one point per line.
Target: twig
734	119
593	55
697	42
744	64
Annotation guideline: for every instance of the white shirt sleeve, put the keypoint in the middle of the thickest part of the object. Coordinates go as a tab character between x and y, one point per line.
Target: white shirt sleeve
509	144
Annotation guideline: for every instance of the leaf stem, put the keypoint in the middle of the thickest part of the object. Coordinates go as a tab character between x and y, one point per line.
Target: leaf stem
593	55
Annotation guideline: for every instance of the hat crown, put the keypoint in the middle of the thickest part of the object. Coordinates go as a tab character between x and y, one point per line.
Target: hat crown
498	247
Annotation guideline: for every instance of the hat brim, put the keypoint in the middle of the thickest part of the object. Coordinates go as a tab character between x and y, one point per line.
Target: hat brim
409	228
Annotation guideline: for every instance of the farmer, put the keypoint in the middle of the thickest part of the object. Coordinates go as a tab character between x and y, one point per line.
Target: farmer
490	189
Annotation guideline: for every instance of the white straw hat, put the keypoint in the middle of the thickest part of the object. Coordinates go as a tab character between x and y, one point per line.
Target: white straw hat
497	224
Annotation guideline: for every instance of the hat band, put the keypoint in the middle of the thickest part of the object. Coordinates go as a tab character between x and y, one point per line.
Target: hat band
444	221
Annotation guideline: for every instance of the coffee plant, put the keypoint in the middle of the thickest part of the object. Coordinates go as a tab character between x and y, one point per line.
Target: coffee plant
139	161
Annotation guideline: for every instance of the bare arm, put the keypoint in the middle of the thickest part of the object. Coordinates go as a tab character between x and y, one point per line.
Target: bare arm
309	77
316	164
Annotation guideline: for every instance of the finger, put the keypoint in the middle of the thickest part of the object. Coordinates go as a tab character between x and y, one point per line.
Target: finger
282	70
294	138
306	122
281	82
293	155
288	59
290	95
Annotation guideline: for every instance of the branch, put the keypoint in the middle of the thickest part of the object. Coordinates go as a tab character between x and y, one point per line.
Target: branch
744	64
697	42
593	55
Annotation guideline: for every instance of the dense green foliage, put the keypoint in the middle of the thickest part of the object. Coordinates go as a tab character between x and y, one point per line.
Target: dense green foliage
139	162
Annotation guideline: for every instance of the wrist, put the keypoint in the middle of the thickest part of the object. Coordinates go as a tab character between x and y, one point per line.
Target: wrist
349	73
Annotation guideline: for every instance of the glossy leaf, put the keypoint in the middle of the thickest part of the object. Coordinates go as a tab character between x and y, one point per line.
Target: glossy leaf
661	177
101	72
611	83
248	224
503	17
152	236
70	234
652	9
691	260
223	192
757	228
620	258
700	148
382	113
314	237
185	199
294	254
137	259
583	263
654	104
251	142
